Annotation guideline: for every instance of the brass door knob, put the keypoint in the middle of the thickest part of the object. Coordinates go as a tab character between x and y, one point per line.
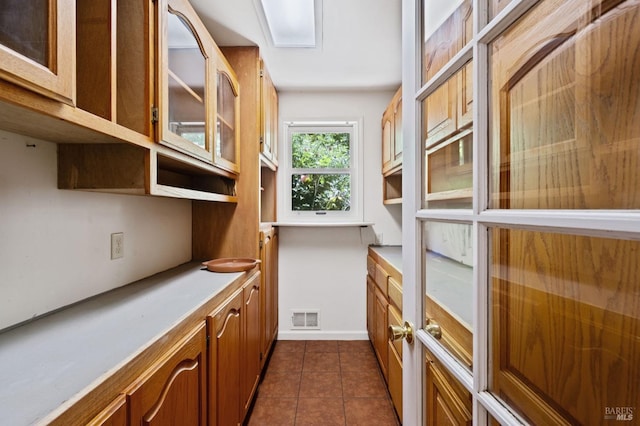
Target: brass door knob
433	328
398	332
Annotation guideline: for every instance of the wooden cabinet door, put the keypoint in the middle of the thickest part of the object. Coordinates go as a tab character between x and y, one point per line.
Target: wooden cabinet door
226	153
380	340
269	291
387	139
37	46
397	126
173	391
186	80
447	402
250	340
115	414
225	355
371	313
268	116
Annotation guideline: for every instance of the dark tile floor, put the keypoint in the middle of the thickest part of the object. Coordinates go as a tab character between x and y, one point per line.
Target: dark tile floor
318	382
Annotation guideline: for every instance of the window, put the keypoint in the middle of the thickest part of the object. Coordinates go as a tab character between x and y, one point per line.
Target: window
321	179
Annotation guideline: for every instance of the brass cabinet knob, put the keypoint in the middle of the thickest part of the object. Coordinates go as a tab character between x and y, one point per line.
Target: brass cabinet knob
433	328
399	332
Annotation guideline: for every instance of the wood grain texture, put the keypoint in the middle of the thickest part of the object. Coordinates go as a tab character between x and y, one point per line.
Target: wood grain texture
173	390
251	331
95	57
233	231
225	360
566	317
566	107
115	414
447	402
56	79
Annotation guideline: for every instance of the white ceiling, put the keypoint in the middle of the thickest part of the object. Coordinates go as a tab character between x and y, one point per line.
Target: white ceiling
360	47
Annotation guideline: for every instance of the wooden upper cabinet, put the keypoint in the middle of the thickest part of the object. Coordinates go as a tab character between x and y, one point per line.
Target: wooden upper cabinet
37	45
173	391
268	116
227	137
114	74
392	135
187	80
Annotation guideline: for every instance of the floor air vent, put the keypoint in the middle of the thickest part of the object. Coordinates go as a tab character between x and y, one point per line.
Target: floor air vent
305	320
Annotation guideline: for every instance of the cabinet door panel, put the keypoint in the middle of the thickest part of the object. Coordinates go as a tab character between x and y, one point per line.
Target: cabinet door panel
447	402
251	340
115	414
225	356
173	391
37	44
380	341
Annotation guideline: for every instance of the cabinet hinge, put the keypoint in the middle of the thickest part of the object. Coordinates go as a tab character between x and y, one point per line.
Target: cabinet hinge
261	140
261	244
154	114
261	73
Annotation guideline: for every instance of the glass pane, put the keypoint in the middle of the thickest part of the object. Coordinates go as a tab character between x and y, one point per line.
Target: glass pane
187	70
448	281
24	28
320	150
447	132
447	28
565	108
226	121
565	321
318	192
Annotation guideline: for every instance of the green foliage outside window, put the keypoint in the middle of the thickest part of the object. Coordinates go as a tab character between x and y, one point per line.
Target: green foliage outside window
318	190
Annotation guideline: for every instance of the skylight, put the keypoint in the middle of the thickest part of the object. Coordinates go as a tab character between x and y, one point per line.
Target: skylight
291	22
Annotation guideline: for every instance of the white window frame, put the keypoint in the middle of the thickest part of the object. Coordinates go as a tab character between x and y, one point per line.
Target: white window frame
355	213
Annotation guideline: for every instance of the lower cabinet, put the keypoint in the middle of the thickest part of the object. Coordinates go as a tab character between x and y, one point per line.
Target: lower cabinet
208	375
225	326
114	415
269	293
384	308
234	354
447	401
250	342
173	391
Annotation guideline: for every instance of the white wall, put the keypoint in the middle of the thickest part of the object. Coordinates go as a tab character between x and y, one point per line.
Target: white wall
55	244
325	268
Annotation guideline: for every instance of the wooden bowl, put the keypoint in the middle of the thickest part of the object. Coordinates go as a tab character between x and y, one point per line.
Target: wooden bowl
231	264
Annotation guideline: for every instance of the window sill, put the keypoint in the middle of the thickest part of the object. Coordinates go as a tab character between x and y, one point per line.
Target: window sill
322	224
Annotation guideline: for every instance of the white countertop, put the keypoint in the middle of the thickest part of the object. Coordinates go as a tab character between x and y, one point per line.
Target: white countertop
48	361
392	254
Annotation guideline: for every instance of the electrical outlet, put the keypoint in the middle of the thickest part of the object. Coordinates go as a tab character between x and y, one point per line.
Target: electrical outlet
117	245
379	238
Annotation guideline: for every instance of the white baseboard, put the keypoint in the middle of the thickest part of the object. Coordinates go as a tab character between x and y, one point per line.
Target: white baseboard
321	335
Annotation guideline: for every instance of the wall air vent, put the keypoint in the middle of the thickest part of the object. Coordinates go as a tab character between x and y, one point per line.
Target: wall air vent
305	320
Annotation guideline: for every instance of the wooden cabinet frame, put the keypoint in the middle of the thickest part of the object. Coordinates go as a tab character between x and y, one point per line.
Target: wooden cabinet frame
58	80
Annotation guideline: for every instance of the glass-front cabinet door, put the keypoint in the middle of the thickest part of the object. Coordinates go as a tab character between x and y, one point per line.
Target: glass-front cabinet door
37	43
522	211
227	114
187	101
